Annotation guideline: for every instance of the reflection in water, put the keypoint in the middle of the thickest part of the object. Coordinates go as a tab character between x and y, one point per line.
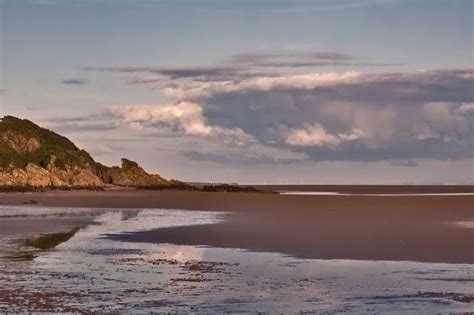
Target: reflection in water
91	272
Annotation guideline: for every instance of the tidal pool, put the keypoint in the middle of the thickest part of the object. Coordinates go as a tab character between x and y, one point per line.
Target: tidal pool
91	272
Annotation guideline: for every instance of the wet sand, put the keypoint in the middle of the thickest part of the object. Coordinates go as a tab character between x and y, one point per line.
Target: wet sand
399	228
92	273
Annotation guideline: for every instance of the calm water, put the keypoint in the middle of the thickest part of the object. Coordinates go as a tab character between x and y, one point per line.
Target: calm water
92	272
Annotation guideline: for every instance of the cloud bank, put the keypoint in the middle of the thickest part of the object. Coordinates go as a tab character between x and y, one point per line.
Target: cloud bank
253	99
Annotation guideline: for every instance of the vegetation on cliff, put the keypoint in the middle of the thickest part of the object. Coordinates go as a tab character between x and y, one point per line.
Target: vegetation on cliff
33	157
23	142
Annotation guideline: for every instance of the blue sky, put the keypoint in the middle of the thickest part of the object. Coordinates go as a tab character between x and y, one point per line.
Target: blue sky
188	88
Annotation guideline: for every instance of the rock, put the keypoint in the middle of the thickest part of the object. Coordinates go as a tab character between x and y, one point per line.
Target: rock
31	156
85	178
132	175
15	177
38	176
74	177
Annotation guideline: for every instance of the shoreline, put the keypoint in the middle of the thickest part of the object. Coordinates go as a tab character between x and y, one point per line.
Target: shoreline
397	228
233	201
371	189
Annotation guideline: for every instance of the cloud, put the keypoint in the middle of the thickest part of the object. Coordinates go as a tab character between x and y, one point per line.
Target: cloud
73	119
85	123
331	116
176	72
198	90
290	59
325	116
434	85
316	135
183	117
347	115
238	67
255	153
74	81
84	127
225	158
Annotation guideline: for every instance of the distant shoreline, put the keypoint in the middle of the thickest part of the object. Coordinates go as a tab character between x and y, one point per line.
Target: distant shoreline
276	188
371	189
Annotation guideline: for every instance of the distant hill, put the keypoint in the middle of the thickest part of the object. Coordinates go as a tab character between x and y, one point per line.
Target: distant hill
31	156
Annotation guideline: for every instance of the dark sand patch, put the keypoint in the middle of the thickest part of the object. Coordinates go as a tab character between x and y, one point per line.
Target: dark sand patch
324	240
50	240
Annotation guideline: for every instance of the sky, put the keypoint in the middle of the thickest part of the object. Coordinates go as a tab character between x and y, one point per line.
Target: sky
255	92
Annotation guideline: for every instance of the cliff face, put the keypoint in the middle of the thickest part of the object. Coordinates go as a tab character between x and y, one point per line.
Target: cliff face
31	156
35	176
131	174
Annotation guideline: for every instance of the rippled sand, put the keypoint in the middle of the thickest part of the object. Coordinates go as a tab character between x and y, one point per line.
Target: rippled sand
96	271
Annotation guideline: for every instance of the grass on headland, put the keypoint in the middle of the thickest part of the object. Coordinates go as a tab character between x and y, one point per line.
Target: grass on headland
51	240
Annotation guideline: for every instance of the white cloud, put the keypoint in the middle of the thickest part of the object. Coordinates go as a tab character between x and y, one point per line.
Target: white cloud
189	89
316	135
184	117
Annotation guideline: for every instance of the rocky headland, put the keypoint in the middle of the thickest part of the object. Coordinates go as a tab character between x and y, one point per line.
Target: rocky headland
35	157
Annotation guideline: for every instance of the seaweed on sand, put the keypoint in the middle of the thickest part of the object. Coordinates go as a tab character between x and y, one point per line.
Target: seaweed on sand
51	240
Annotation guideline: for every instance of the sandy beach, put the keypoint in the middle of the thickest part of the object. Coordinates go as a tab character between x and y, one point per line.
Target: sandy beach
398	228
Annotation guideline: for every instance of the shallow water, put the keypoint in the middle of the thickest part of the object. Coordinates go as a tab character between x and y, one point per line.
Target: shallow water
94	273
